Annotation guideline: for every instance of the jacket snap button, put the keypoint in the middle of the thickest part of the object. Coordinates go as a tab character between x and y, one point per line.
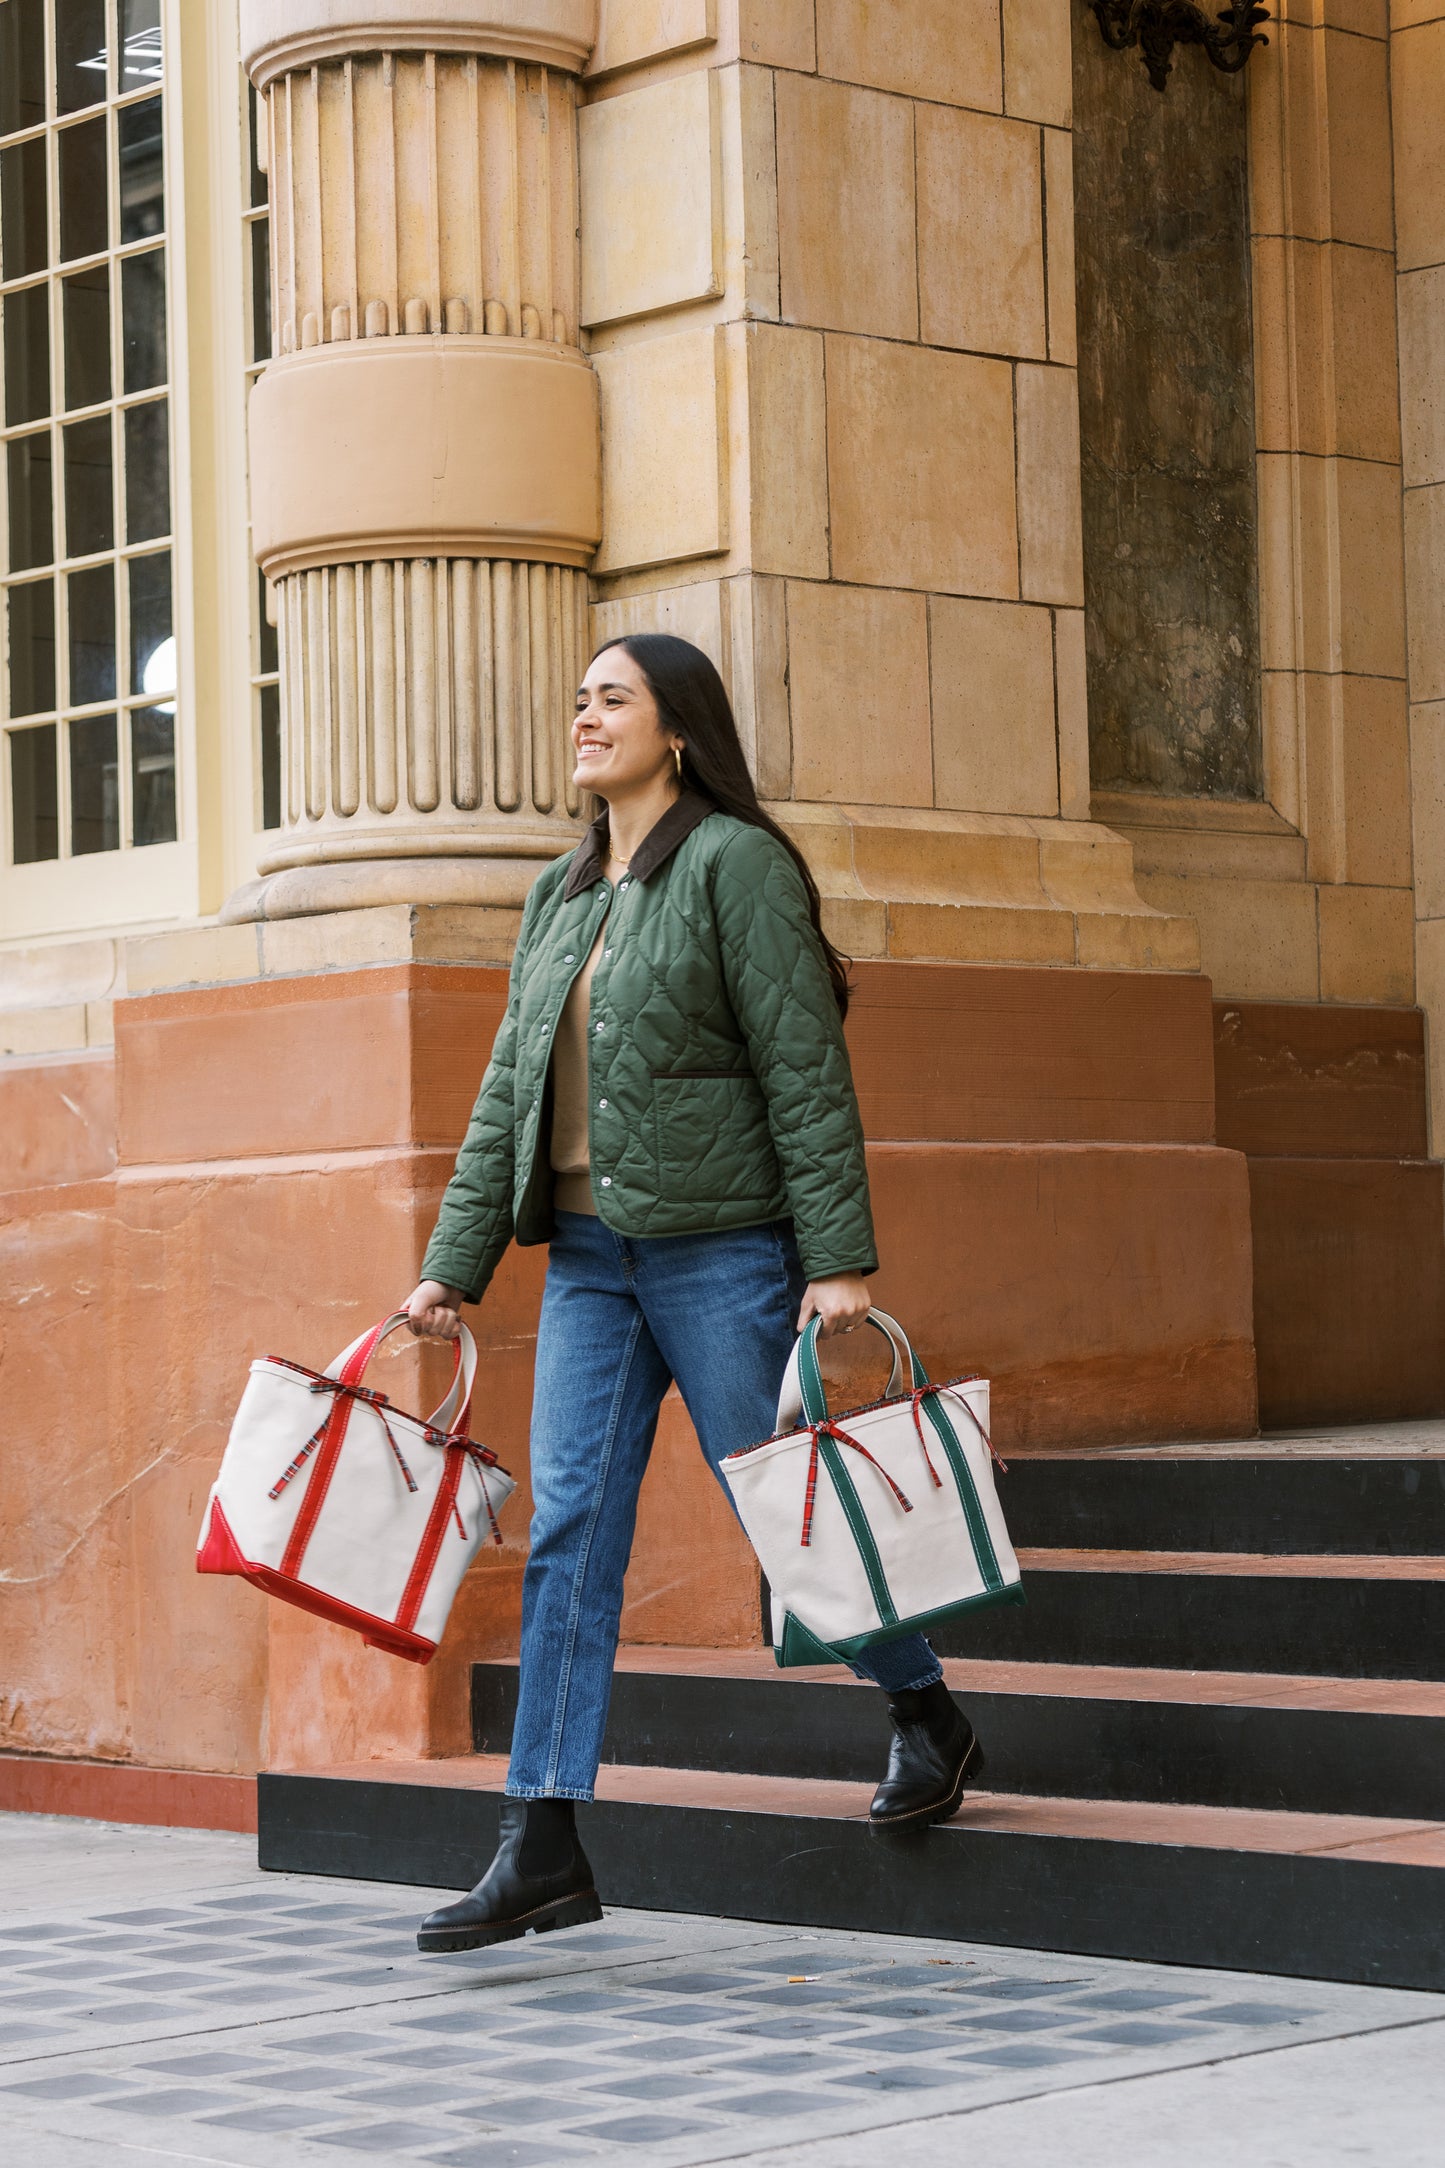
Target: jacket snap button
601	1103
600	1027
607	1181
569	959
607	952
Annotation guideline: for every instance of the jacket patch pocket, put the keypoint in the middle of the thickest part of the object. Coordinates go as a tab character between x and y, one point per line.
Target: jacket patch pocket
712	1136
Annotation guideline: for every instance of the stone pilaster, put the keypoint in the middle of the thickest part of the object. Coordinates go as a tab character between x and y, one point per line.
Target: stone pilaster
425	458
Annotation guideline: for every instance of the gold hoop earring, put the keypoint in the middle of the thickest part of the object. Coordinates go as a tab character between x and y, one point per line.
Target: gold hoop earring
677	756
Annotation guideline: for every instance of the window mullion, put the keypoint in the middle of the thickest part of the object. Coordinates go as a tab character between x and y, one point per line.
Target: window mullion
78	670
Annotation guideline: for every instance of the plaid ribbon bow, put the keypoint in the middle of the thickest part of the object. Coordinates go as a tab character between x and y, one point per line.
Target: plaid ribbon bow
830	1429
481	1456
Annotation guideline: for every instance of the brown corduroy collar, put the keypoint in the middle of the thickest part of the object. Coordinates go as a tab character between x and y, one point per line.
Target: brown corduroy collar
677	823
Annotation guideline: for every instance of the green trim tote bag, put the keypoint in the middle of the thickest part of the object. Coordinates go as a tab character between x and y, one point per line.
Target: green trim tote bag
880	1523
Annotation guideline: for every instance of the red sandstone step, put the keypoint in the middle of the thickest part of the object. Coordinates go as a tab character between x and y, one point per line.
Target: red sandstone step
1343	1836
125	1792
1272	1565
1366	1441
1094	1682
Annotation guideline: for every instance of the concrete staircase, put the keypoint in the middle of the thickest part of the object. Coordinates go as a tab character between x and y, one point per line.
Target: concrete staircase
1215	1736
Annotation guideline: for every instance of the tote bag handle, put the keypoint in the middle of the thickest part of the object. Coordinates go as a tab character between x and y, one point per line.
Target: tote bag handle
454	1411
803	1392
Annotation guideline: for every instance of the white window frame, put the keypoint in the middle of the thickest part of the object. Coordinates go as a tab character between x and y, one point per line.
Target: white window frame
133	884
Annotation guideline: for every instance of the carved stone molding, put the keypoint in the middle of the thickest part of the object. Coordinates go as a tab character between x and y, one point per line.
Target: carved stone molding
437	447
279	36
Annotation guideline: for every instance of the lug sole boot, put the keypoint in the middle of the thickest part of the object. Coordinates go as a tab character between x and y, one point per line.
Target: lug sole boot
540	1880
933	1756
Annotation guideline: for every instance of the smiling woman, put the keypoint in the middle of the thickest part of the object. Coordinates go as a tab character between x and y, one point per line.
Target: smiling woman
669	1106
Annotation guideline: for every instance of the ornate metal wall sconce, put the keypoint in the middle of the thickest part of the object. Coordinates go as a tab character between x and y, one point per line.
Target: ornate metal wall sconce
1157	26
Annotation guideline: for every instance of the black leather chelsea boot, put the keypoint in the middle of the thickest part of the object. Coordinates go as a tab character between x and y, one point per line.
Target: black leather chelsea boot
540	1879
933	1755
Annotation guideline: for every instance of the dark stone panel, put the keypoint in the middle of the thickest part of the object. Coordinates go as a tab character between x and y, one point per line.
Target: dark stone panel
1349	1290
1334	1082
1166	406
1344	1629
1312	1917
1310	1761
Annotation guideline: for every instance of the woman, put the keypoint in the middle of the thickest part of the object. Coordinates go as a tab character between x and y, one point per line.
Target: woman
669	1105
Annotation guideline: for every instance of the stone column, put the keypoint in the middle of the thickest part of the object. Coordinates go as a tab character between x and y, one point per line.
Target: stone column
425	457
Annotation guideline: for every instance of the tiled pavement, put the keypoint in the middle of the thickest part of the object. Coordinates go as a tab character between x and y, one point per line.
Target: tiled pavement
162	2001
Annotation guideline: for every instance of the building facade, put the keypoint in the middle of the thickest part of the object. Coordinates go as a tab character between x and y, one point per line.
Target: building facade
1055	469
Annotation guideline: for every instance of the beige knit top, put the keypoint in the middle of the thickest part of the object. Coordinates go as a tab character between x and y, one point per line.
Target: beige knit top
571	1141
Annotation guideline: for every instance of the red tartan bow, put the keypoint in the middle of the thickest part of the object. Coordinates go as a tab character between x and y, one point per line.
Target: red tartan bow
829	1429
447	1440
967	1407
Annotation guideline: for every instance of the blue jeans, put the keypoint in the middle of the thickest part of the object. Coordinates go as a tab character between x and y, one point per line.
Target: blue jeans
621	1318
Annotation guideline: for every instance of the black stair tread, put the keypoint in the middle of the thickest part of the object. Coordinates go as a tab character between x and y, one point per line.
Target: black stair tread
1259	1498
1218	1615
1044	1681
1193	1886
1383	1838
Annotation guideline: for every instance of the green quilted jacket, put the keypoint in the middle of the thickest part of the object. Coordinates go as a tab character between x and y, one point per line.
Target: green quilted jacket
720	1090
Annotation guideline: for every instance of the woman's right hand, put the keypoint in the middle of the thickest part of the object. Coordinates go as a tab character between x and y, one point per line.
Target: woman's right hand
433	1311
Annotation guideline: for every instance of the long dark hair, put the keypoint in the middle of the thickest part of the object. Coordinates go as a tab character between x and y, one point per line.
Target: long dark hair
693	705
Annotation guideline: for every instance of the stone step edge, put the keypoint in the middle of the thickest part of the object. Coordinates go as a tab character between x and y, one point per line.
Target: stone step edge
1230	1829
1051	1681
1240	1565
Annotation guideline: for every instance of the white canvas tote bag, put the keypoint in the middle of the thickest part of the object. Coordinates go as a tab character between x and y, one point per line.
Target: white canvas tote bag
335	1500
882	1523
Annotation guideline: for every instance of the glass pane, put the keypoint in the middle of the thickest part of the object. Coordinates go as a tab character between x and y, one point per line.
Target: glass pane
83	210
270	756
22	64
27	355
94	786
34	798
89	502
147	472
32	648
268	656
259	191
261	290
140	39
91	600
23	245
153	775
143	319
152	648
85	323
28	477
142	172
79	54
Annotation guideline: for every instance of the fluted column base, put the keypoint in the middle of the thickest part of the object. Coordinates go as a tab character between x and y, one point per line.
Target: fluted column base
426	712
487	883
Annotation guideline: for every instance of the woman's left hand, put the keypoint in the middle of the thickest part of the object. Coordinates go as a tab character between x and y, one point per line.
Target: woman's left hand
841	1302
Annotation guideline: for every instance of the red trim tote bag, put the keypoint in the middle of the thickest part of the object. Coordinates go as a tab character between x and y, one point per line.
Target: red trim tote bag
335	1500
882	1523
